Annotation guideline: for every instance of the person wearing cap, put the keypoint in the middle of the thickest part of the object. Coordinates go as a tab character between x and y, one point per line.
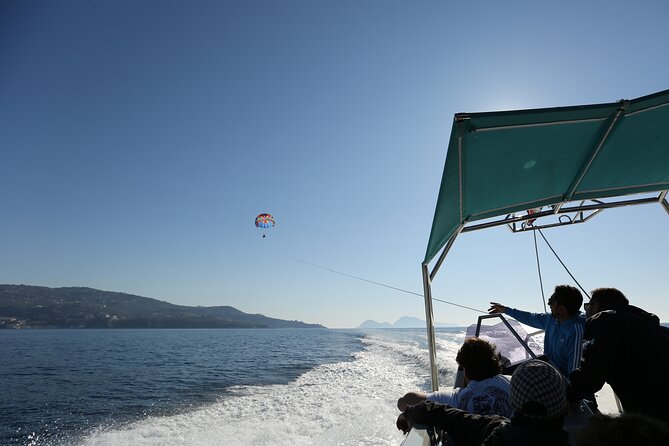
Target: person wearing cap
626	347
563	326
539	401
487	391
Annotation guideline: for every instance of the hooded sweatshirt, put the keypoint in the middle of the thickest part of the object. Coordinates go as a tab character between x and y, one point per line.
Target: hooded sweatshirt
629	349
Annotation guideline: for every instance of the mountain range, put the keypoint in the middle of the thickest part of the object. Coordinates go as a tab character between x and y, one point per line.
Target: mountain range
26	306
403	322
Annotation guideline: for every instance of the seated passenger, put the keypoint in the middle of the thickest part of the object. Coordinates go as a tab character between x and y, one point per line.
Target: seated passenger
539	402
486	391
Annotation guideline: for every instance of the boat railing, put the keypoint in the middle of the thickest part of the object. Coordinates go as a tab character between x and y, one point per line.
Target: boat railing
531	336
529	353
524	342
583	408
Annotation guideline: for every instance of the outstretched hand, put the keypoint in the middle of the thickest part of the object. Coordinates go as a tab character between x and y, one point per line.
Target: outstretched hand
496	308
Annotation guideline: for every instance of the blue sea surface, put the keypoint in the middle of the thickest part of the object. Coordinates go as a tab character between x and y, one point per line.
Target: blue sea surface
58	385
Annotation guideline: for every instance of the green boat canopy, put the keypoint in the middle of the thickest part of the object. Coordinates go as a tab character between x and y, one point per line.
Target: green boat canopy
500	163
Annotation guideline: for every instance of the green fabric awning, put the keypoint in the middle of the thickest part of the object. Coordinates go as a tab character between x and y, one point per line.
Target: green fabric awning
499	163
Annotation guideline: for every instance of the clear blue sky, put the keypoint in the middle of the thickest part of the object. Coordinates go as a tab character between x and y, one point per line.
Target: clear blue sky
139	139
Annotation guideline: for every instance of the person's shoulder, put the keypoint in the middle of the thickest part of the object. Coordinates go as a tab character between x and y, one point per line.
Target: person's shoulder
576	321
603	316
642	315
487	382
501	379
501	382
602	319
494	382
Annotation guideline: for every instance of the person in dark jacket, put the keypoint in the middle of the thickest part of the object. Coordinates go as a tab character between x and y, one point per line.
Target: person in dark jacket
539	403
624	345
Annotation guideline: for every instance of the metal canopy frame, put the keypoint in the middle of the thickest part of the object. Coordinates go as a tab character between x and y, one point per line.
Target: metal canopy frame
591	158
523	343
581	212
582	153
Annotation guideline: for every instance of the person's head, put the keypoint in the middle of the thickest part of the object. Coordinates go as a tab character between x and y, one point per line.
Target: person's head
603	299
479	358
538	392
565	302
625	429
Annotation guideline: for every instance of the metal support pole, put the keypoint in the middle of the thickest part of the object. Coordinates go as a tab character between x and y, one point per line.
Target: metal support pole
444	252
429	318
593	154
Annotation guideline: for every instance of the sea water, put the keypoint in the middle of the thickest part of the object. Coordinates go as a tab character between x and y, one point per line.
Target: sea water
212	387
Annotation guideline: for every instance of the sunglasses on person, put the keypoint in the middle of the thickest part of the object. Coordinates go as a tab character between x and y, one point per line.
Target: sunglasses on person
589	305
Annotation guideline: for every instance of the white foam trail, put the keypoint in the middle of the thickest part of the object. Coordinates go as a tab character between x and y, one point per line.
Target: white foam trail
347	403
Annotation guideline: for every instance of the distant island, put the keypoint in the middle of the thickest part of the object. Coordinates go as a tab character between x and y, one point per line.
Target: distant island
25	306
403	322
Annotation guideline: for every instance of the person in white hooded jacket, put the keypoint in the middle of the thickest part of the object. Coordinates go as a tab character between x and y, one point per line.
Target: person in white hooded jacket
487	391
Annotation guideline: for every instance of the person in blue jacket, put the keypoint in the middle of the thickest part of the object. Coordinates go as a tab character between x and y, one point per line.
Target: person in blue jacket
564	326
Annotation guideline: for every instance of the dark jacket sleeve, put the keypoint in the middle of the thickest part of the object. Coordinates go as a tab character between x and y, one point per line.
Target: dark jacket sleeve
465	428
600	343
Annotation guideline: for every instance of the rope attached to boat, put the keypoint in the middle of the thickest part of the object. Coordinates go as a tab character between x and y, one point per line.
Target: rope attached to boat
382	284
536	251
541	282
561	262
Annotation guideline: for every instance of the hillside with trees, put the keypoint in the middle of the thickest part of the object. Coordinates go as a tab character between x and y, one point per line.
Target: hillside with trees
25	306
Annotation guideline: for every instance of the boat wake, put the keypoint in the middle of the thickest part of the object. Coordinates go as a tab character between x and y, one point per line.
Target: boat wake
352	403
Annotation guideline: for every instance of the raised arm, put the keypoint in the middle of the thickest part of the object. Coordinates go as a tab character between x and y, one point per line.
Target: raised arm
496	308
536	320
